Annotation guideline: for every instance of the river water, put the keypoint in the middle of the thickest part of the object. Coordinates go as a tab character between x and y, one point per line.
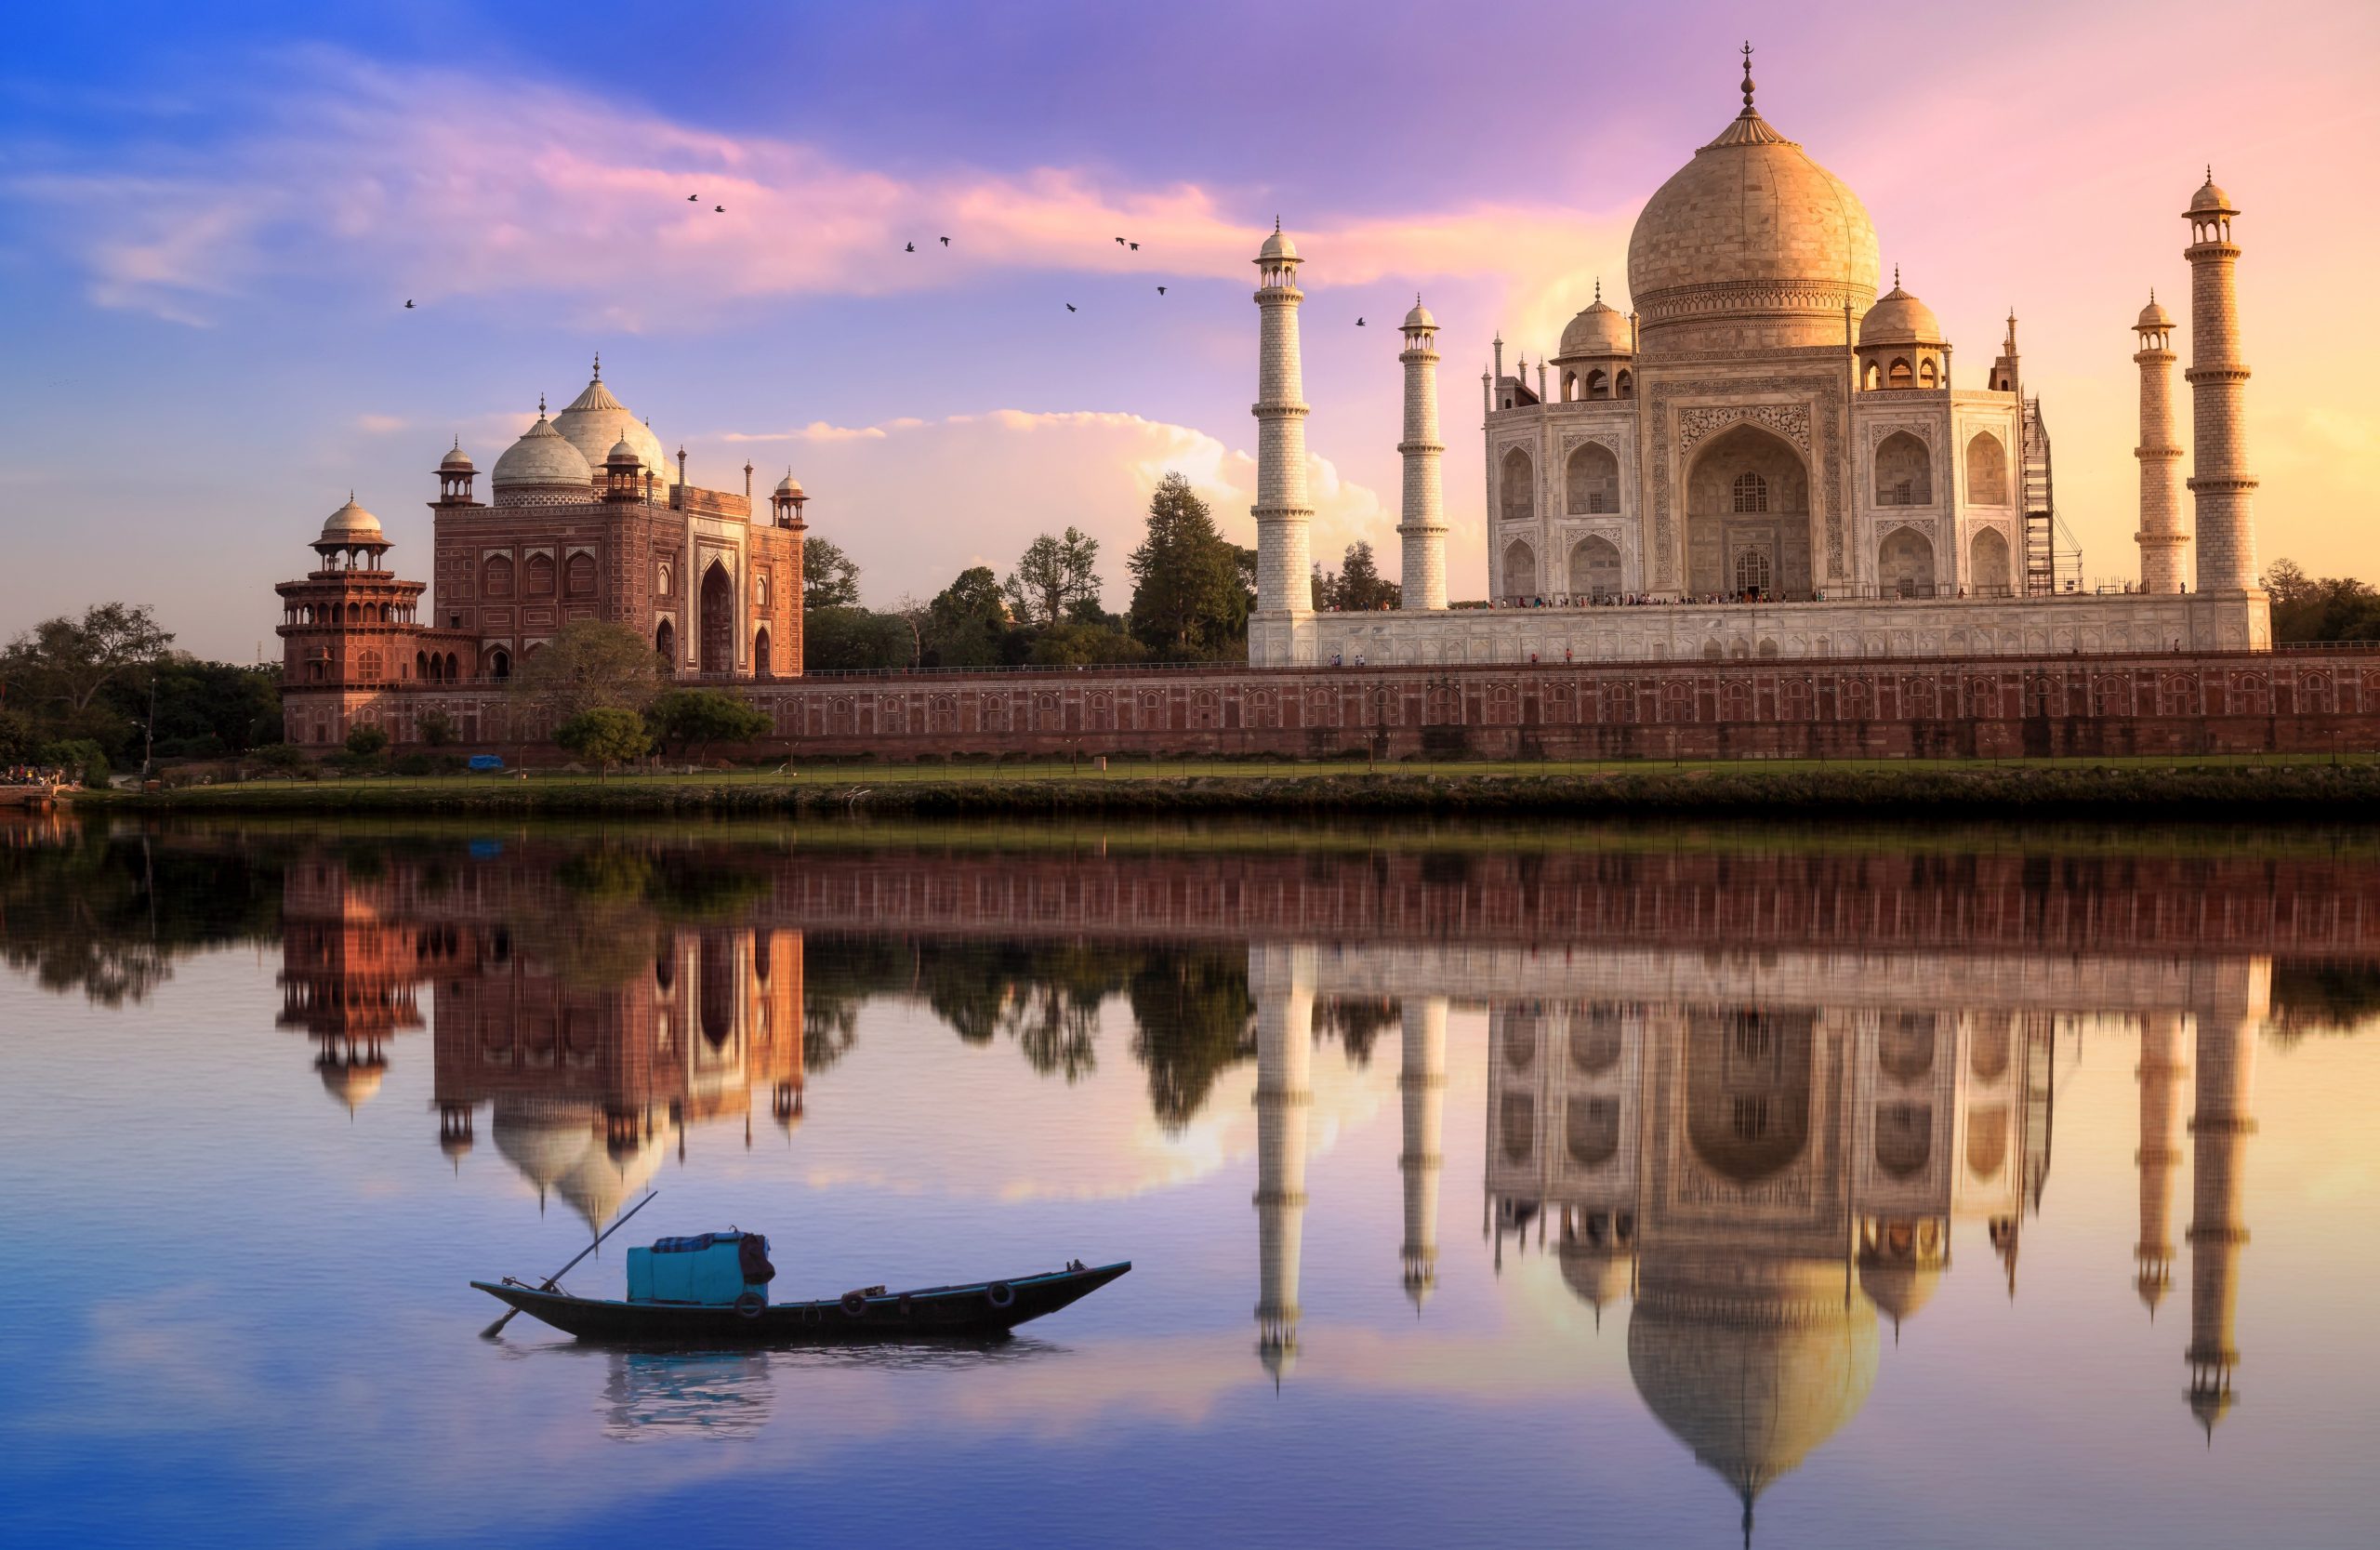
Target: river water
1532	1185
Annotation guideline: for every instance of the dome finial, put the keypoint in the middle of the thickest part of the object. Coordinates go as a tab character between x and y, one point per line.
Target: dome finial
1277	219
599	365
1747	76
541	406
1896	277
1598	289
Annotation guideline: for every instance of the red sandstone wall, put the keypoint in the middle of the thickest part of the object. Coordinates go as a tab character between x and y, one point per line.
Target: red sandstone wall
1973	708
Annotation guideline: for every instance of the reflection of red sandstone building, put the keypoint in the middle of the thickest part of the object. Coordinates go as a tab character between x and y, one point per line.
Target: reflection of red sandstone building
588	521
590	1075
590	1084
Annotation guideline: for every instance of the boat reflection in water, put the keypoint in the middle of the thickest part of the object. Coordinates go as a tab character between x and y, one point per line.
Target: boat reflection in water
652	1394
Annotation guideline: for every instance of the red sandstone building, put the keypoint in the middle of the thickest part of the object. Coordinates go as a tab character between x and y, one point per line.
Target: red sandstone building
586	519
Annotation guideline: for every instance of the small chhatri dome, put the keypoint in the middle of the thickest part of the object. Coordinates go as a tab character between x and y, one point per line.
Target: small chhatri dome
2210	197
788	486
1899	318
2154	316
1599	329
622	453
541	456
457	462
1419	316
1276	245
352	523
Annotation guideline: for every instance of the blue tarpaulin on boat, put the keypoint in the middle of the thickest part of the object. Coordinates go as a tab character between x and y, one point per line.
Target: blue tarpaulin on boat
693	1245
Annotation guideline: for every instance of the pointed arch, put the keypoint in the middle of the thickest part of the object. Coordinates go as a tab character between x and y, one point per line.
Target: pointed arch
1590	479
1517	485
1520	570
1987	470
1904	471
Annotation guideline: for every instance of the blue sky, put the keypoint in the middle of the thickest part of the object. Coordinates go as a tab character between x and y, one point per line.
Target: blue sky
210	220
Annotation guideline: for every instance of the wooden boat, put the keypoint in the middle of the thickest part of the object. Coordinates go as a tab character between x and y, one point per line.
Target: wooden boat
974	1311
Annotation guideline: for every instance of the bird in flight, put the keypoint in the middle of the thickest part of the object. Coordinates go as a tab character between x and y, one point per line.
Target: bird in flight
720	209
946	241
694	199
408	306
1360	323
1070	306
1120	241
910	247
1136	247
1160	290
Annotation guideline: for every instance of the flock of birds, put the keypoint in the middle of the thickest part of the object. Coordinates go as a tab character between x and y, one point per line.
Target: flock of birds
911	247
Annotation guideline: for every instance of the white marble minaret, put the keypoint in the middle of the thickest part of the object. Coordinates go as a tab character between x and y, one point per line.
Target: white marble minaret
2160	1074
2162	539
1284	549
1423	1085
1424	528
2220	1126
1281	978
2218	379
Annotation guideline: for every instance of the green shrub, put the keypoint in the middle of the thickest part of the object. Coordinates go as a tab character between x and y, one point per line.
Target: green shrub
79	757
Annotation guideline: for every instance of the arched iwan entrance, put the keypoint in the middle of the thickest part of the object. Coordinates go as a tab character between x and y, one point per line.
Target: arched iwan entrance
664	645
1595	568
1988	562
718	620
1905	564
1748	514
1747	1088
1520	571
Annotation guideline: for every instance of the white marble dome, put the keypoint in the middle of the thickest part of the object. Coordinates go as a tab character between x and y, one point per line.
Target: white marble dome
594	421
1598	330
542	456
2154	316
1752	233
1277	246
1899	318
351	524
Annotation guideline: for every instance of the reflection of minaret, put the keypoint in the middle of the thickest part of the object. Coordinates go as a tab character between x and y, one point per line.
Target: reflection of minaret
2160	1147
2220	1131
1284	986
1424	1082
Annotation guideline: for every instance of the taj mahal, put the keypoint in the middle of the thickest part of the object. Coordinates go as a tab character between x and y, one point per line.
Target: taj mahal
1765	457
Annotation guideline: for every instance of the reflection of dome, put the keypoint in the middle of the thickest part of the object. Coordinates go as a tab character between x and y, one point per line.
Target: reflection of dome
1753	1366
543	1148
2210	1405
541	456
1598	1273
351	1081
455	1144
1899	1287
595	421
1752	229
351	523
605	1175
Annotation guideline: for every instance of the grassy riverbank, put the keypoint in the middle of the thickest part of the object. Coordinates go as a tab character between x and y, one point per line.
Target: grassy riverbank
2311	788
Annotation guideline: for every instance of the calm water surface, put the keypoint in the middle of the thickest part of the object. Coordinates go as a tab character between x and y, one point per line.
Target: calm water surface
1523	1188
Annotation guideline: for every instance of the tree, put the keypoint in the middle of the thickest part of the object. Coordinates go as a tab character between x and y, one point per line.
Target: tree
604	735
366	742
589	665
830	579
1189	599
847	638
966	625
2330	608
1360	589
1056	578
437	728
56	669
693	718
1084	644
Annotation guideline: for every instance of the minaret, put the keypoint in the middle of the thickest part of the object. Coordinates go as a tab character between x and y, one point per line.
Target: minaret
1284	551
2160	1074
1424	528
2161	537
2220	1131
1423	1083
2218	379
1282	981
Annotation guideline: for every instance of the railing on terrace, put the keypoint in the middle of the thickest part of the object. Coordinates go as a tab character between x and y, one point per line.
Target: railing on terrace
1912	592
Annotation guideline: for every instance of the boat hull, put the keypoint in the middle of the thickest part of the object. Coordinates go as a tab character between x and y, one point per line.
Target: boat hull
974	1311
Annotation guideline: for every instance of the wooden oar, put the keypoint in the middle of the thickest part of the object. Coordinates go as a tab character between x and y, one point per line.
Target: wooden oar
547	1284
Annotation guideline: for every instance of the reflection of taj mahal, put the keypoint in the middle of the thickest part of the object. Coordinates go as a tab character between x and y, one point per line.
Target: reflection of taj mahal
1762	1179
1768	458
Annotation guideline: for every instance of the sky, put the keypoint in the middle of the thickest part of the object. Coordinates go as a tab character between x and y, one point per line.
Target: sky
211	220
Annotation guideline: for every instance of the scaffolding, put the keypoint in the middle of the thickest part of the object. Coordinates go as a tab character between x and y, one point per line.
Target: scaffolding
2052	557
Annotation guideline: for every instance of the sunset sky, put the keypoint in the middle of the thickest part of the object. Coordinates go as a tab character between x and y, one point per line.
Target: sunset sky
210	221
